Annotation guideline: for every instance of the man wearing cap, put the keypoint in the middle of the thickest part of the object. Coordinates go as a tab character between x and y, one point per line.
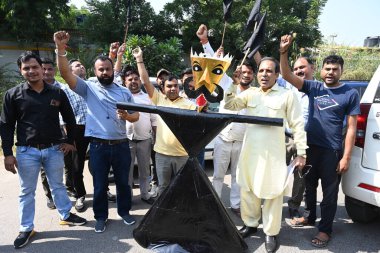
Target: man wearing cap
162	74
170	154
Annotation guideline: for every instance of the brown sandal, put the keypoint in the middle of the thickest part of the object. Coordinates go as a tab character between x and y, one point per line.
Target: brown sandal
300	222
320	242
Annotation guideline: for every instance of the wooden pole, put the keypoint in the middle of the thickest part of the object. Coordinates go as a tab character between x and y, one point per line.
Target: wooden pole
126	32
224	31
245	56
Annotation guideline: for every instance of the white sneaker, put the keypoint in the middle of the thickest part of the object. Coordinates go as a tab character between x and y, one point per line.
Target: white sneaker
79	204
153	191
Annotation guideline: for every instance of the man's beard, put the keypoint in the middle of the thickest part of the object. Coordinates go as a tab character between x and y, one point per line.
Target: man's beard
245	84
106	80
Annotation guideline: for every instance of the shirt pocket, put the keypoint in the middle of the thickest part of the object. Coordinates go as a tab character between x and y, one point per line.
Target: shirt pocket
253	108
274	108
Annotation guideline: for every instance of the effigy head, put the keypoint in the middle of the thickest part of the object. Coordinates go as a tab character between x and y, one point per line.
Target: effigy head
208	70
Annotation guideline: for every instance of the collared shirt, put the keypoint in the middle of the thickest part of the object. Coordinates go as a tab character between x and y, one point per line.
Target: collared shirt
102	121
142	129
77	103
36	115
262	166
166	142
234	131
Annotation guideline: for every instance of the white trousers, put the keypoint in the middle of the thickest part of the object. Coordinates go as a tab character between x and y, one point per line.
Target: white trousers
226	154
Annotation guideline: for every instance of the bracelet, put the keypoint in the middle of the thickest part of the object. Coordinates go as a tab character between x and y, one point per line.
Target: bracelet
139	62
282	52
61	55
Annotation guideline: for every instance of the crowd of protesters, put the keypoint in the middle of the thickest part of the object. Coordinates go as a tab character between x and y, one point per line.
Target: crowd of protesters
55	123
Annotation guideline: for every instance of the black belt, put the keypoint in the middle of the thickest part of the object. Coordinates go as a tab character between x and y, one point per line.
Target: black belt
43	146
137	141
109	142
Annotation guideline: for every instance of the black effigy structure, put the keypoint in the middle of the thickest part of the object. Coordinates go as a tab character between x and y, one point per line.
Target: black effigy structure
189	212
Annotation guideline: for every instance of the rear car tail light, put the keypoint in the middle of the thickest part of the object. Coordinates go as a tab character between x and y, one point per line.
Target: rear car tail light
362	125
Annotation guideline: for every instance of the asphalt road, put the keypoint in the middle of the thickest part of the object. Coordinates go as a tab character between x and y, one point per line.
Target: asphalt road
53	238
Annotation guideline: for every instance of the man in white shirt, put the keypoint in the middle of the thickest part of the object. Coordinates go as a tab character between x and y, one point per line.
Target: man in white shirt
140	134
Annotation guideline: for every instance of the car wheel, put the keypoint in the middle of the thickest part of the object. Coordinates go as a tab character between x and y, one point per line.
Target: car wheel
360	211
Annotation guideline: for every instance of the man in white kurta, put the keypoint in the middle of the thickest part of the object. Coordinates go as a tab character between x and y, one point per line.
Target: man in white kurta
262	169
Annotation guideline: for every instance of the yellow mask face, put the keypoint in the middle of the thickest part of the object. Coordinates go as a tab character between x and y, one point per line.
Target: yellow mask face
208	70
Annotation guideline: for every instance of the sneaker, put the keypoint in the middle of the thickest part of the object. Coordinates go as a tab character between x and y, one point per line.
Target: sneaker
74	220
128	219
111	197
50	203
23	239
149	201
100	226
153	191
79	204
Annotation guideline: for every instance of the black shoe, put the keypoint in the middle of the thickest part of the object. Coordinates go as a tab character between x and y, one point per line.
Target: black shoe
294	213
246	231
149	201
71	193
23	239
74	220
236	211
271	243
111	197
50	203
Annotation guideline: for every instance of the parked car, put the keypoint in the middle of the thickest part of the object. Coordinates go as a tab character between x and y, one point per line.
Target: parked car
361	183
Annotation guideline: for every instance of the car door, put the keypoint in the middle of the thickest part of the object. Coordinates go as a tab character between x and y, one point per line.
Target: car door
371	152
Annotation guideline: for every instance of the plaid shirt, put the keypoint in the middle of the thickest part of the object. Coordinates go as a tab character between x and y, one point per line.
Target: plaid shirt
77	103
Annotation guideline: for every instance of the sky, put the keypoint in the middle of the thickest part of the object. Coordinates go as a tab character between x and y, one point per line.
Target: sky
343	22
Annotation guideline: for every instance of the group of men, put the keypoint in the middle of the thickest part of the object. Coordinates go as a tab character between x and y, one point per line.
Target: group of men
257	155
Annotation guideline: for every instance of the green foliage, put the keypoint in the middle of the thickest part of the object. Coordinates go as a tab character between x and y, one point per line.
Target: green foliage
359	63
283	16
107	22
31	21
157	55
8	79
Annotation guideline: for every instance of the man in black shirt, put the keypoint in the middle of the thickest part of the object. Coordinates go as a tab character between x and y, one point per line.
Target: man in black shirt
34	107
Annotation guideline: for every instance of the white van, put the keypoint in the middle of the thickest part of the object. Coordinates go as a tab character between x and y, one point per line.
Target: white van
361	183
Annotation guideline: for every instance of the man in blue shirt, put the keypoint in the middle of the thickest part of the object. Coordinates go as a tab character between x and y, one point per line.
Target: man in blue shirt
105	125
329	103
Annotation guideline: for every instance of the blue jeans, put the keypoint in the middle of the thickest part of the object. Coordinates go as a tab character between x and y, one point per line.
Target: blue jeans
102	157
30	160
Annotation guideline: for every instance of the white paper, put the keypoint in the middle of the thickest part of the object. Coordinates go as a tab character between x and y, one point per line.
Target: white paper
289	174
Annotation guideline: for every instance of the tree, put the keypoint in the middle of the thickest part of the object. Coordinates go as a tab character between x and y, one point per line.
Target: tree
157	55
107	20
283	16
31	21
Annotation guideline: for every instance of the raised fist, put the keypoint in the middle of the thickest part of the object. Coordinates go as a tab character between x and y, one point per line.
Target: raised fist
61	38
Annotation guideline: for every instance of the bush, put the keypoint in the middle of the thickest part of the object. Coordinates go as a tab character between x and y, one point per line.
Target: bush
8	79
359	62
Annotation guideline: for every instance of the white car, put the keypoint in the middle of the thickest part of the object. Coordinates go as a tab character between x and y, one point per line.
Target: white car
361	183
